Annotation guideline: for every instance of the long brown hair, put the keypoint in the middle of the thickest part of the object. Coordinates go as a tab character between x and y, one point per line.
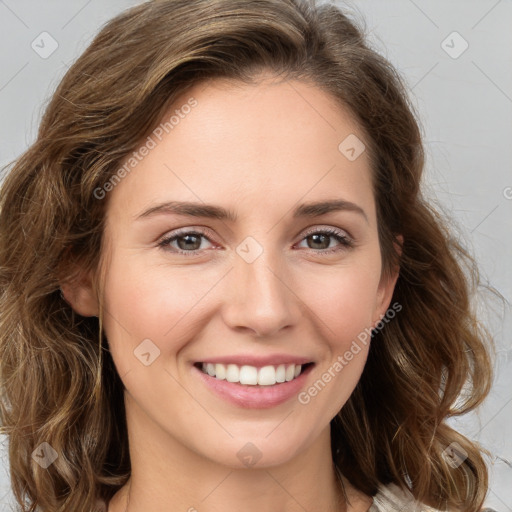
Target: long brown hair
59	383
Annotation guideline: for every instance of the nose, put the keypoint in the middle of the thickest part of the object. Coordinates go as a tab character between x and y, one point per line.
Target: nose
261	297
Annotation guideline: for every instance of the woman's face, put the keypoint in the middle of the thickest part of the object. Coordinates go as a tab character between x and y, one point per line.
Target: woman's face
261	288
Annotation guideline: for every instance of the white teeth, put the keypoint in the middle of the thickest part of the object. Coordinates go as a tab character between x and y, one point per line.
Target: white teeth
252	376
220	371
210	368
267	376
232	373
248	375
281	373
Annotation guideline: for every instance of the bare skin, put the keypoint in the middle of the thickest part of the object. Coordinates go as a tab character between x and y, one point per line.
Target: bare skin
260	151
359	502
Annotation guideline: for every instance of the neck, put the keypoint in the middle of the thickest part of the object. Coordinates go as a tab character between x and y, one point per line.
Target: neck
166	475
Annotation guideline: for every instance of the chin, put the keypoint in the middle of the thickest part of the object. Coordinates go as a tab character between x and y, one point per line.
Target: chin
256	451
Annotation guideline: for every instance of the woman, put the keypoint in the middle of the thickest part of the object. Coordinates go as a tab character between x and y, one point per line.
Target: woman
221	285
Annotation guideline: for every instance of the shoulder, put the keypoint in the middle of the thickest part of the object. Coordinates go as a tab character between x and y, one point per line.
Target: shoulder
391	497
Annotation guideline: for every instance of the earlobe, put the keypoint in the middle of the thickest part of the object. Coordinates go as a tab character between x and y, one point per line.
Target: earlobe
79	294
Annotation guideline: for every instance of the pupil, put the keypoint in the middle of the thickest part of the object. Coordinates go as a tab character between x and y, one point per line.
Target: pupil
315	238
188	237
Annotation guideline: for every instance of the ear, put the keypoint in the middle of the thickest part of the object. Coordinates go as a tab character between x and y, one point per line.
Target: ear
80	294
387	286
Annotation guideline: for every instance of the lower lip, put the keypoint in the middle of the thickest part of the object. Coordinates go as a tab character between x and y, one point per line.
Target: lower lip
254	397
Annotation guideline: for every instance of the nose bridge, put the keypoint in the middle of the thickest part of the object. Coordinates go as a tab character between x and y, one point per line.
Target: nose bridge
261	299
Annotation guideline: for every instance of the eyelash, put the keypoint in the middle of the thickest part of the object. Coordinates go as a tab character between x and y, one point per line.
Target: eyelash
345	241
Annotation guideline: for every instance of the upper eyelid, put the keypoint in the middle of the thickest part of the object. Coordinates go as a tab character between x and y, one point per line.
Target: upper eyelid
313	229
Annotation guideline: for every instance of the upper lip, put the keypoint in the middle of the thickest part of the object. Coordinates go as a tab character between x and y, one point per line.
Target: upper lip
257	361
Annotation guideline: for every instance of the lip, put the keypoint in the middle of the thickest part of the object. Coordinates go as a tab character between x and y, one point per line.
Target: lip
253	397
257	361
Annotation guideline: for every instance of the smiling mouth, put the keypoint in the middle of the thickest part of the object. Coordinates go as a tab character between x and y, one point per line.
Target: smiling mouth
248	375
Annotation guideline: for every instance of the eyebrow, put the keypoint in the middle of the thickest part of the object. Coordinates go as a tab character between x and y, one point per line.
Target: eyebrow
313	209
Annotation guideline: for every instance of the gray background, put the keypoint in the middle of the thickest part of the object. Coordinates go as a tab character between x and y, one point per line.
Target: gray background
464	100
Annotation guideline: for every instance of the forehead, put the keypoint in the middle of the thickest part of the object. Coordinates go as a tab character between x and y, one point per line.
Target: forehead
273	141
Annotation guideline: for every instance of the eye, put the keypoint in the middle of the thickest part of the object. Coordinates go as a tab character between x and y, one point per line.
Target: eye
321	239
189	242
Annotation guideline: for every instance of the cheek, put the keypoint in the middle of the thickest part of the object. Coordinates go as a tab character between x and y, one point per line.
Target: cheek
142	304
343	303
344	300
